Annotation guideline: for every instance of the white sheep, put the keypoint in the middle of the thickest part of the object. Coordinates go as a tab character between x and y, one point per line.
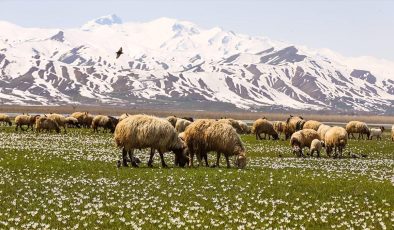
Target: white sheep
301	139
316	146
335	139
357	127
143	131
376	132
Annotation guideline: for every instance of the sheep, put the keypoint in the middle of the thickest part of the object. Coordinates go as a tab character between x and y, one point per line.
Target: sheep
293	124
357	127
107	122
301	139
4	118
392	133
72	122
123	116
172	120
48	124
322	130
245	129
376	132
143	131
336	138
181	125
205	135
28	120
279	127
84	118
311	124
235	124
316	146
264	126
60	120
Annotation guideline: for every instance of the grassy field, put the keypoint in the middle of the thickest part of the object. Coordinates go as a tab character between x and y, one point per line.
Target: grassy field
71	181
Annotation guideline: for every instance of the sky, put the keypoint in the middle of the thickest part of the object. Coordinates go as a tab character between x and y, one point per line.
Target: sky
350	27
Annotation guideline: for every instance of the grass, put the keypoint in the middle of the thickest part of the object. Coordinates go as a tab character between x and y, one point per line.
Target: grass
71	181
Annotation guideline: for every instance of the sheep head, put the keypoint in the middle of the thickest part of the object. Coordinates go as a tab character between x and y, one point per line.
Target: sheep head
240	160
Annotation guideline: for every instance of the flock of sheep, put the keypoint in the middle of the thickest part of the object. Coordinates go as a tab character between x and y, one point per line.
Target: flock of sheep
186	137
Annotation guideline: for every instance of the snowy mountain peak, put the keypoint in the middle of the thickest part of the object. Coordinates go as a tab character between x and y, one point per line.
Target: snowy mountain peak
106	20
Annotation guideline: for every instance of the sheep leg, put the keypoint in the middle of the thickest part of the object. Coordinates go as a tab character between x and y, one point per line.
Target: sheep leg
199	159
124	157
257	136
150	161
206	159
191	156
227	161
217	160
162	160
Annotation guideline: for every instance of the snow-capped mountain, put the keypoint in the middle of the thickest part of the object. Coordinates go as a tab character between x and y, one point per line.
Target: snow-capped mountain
177	63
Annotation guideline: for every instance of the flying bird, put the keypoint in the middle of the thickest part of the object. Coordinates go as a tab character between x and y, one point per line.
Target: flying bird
120	52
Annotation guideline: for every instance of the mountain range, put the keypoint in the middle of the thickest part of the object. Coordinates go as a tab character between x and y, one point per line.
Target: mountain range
169	63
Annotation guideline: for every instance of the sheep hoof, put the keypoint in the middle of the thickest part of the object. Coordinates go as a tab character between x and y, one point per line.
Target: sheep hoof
150	163
125	164
164	165
214	166
134	164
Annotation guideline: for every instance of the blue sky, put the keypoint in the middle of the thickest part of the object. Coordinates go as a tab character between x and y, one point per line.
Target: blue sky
351	27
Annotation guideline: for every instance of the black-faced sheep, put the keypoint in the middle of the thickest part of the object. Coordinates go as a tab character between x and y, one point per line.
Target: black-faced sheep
106	122
357	127
316	146
301	139
311	124
5	119
293	124
143	131
48	124
205	135
336	138
181	125
376	132
263	126
28	120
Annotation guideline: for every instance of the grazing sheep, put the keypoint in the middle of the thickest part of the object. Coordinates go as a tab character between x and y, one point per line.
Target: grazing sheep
233	123
4	118
336	138
106	122
84	118
357	127
72	122
322	130
279	127
143	131
376	132
311	124
264	126
293	124
392	133
181	125
60	120
28	120
245	129
316	146
48	124
172	120
301	139
123	116
205	135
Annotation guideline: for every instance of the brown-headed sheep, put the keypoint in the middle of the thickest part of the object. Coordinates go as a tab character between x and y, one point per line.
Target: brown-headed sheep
28	120
205	135
143	131
264	126
316	146
84	118
172	120
357	127
322	130
48	124
311	124
293	124
60	120
279	127
4	118
181	125
336	138
301	139
106	122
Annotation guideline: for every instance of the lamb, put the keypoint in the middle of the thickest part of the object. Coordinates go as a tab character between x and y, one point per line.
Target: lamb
172	120
205	135
60	120
336	138
392	133
233	123
301	139
181	125
322	130
376	132
264	126
48	124
357	127
316	146
72	122
4	118
106	122
279	127
28	120
84	118
143	131
293	124
311	124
